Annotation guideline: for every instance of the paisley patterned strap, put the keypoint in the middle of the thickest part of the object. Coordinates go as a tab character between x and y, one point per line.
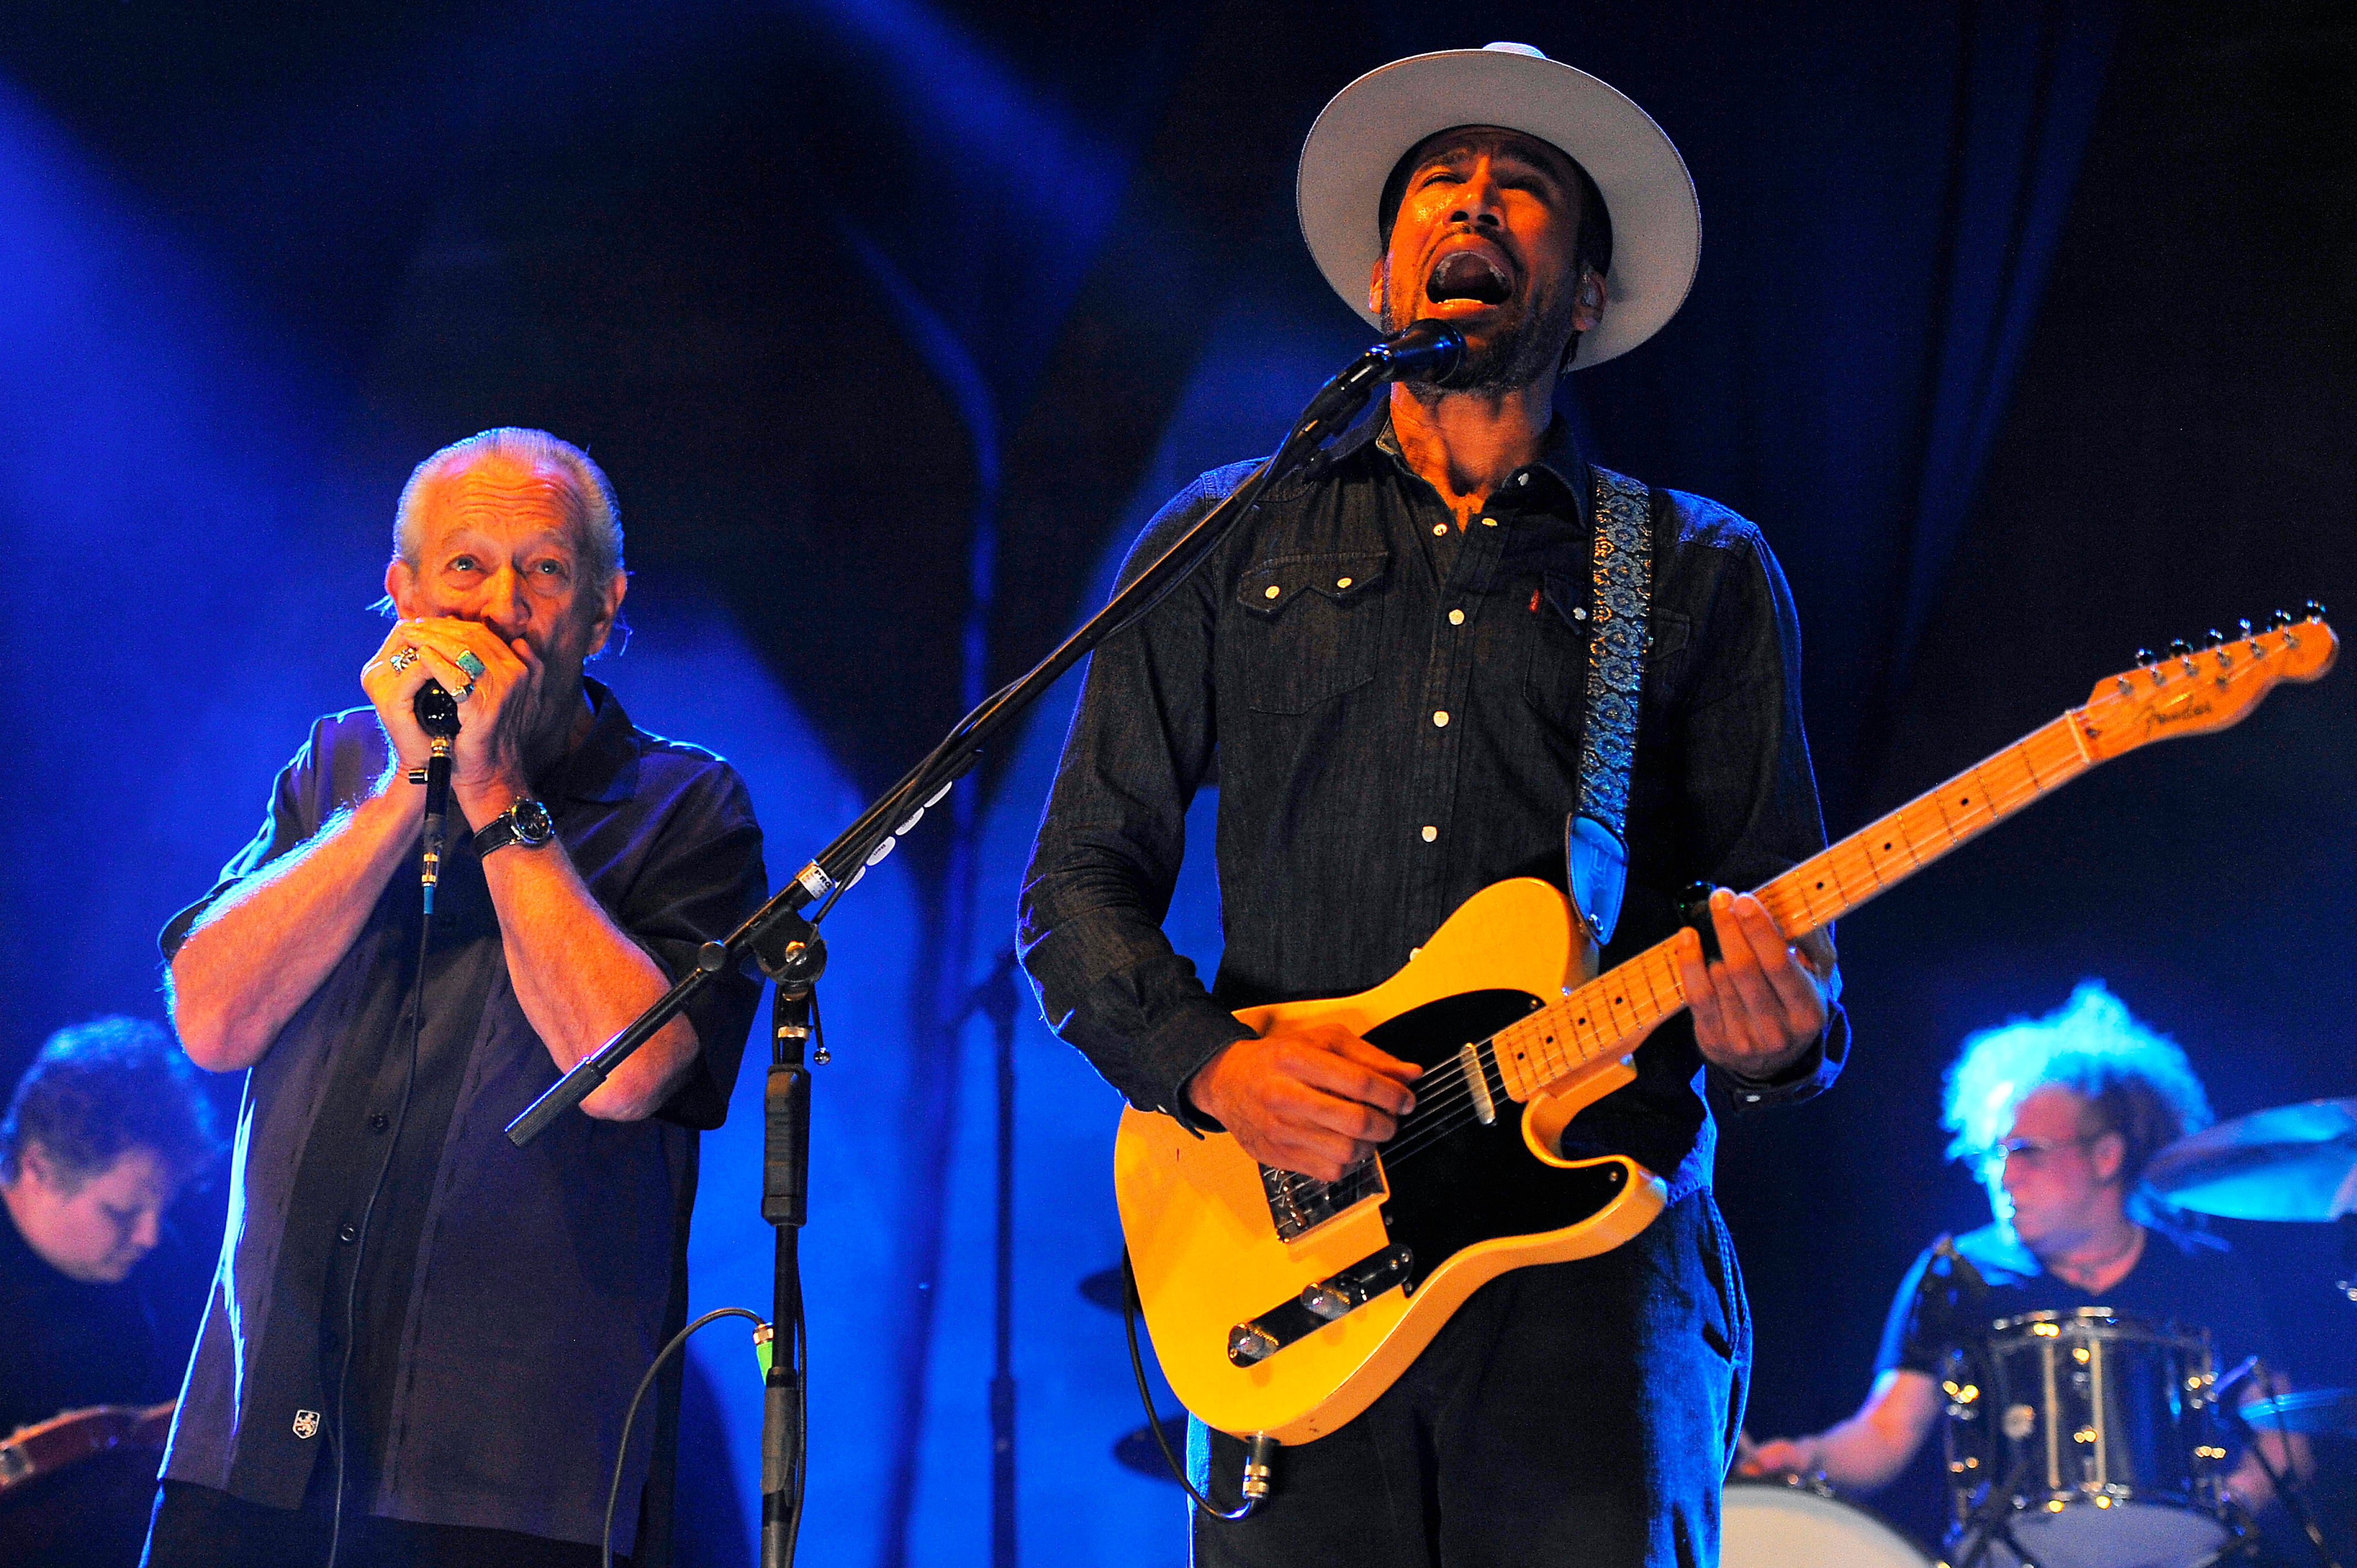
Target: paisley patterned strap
1597	839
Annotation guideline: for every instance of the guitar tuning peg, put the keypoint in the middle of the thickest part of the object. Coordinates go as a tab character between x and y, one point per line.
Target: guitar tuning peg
2314	611
2214	638
2242	628
2180	648
2278	620
2145	658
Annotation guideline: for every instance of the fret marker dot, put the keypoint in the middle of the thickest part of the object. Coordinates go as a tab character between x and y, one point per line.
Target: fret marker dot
1430	833
1273	591
1341	582
1441	719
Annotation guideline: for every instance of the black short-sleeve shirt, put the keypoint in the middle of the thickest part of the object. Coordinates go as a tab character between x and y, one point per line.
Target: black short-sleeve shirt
508	1298
2194	1284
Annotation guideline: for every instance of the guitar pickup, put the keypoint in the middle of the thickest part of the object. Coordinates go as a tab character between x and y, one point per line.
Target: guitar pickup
1320	1304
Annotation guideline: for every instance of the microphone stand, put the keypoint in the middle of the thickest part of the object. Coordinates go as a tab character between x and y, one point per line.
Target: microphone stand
785	944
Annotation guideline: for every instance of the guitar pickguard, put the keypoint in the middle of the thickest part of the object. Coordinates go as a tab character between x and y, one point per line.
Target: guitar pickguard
1476	1181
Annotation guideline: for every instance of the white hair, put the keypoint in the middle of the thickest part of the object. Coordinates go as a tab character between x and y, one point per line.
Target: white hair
597	517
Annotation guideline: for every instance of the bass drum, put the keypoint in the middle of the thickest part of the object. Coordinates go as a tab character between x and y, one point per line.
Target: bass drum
1782	1524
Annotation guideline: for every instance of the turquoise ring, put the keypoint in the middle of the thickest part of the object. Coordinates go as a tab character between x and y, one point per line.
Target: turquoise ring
469	663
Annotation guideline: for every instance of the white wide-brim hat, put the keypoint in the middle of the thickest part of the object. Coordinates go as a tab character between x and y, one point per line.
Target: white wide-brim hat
1362	135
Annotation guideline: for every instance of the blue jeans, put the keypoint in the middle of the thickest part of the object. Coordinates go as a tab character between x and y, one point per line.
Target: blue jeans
1580	1415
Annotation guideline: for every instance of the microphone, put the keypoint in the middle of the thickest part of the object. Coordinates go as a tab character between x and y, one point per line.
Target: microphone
437	714
1428	351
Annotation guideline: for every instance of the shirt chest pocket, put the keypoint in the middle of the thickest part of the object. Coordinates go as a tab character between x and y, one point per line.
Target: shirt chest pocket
1556	677
1313	628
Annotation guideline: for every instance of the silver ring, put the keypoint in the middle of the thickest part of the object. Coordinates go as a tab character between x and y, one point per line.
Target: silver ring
402	660
463	692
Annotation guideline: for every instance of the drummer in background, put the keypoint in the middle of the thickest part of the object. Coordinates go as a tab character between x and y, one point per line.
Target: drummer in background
2060	1115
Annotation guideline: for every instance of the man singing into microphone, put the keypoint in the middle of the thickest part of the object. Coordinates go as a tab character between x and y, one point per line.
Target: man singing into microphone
1388	664
422	1340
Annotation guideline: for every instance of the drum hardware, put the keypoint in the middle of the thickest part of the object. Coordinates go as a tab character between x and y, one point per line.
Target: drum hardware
2288	1487
2292	1162
1992	1520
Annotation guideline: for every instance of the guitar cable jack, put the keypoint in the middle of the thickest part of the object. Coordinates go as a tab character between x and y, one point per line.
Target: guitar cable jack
1260	1457
1260	1448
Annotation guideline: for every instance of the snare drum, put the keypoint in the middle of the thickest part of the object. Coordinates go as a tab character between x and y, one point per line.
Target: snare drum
2098	1428
1783	1524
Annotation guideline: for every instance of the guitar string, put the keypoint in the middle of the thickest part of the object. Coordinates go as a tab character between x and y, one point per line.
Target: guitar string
1449	1110
1439	1117
1431	1121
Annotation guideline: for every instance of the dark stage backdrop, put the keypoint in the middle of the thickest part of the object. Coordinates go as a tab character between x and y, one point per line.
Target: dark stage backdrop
2024	329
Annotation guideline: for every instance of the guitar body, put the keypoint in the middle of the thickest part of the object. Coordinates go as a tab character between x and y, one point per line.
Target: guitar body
1283	1307
1201	1216
46	1447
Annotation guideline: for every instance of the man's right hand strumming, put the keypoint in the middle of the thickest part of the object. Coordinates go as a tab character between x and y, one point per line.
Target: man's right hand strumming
1314	1099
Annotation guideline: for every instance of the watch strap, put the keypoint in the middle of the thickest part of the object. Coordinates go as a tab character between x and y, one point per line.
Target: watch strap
502	830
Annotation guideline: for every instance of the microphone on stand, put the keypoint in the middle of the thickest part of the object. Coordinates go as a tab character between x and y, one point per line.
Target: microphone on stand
1426	350
437	715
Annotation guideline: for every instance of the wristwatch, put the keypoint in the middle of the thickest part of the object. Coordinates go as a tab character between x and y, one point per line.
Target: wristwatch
526	823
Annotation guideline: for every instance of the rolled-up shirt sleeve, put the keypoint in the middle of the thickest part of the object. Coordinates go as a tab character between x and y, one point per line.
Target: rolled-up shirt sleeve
1107	856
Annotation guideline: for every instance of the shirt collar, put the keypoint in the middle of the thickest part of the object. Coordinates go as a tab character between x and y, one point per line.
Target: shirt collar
605	766
1558	479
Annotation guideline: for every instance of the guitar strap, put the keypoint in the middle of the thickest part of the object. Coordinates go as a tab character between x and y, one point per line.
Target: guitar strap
1596	837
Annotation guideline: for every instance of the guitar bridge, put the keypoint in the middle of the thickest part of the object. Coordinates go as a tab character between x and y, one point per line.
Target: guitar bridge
1299	1204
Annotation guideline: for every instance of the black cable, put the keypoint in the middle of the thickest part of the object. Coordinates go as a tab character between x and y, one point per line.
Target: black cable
337	1435
801	1426
622	1454
1129	1310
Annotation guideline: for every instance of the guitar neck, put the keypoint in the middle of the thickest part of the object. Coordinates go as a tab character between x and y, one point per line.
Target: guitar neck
1607	1015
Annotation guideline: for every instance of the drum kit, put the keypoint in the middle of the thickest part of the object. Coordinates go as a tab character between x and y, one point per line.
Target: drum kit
2090	1438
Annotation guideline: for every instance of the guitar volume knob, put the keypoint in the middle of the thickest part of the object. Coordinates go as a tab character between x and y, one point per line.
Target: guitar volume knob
1249	1343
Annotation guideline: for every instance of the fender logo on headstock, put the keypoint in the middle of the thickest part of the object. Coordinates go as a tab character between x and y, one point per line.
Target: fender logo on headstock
2176	712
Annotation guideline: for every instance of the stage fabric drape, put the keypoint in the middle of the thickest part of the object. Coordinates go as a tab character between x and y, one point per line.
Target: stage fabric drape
1882	194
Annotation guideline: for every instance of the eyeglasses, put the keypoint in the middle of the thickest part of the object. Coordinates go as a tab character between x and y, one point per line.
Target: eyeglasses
2032	1153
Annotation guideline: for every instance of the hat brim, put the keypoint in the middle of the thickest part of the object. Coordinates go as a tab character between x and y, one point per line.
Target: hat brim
1372	124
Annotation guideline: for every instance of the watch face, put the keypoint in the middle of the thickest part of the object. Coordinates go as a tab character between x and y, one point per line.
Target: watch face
533	823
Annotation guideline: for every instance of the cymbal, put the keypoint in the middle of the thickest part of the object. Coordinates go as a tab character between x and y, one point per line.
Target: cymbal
2295	1162
2315	1411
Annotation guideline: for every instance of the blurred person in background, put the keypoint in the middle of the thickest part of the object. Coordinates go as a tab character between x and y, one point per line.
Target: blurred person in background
2058	1117
98	1299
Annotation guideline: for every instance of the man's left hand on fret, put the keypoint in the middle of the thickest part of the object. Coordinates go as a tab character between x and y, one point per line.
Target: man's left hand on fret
1764	1001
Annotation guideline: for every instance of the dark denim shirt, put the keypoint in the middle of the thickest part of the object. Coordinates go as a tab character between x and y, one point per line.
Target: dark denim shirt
509	1299
1392	713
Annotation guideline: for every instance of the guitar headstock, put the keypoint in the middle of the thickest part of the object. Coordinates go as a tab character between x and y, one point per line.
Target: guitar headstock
2191	691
